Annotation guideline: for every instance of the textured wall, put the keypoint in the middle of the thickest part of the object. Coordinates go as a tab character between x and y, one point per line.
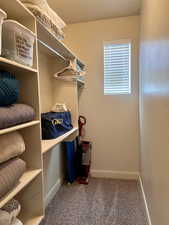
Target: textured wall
154	108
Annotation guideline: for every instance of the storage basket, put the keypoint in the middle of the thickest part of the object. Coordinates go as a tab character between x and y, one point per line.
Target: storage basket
3	15
17	42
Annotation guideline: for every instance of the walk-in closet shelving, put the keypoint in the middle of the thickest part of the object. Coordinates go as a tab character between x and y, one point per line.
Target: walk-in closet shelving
14	66
41	90
51	60
53	91
48	144
29	189
27	177
19	127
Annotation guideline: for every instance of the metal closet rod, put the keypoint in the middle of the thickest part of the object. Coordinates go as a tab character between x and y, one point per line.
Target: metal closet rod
53	50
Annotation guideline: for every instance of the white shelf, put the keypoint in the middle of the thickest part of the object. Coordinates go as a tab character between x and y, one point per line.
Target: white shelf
49	51
55	45
26	178
49	39
31	221
18	127
13	66
48	144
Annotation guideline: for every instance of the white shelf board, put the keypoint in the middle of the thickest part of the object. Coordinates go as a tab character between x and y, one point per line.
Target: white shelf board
35	220
48	144
49	51
26	178
13	66
18	127
49	39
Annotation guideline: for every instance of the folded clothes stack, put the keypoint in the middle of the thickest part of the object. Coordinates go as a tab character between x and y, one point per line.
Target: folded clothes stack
10	173
46	16
12	113
9	213
11	167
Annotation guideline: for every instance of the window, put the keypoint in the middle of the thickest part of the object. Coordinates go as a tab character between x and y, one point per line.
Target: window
117	73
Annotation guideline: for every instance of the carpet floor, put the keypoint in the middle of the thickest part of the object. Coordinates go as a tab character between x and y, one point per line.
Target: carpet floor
102	202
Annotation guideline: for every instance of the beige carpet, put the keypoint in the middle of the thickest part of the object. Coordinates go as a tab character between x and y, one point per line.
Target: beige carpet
102	202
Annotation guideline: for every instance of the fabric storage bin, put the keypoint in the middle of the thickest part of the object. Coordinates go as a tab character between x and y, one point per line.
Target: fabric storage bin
3	15
17	42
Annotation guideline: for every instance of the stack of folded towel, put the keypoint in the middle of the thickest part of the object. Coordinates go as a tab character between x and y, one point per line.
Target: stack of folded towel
46	16
9	213
12	113
11	167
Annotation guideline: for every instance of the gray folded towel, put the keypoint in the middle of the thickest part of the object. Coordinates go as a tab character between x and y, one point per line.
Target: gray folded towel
15	114
10	172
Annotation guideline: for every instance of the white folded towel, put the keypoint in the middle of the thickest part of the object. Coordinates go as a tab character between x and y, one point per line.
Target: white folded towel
5	218
43	5
16	222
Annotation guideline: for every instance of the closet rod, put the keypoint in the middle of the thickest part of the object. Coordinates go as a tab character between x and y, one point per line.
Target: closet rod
52	50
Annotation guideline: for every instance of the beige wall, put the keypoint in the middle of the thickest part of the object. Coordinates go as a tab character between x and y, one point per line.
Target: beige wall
154	108
112	120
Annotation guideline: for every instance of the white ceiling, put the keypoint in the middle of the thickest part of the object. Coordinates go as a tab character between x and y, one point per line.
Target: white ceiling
74	11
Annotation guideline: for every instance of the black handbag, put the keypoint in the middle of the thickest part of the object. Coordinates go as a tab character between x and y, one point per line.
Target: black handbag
55	124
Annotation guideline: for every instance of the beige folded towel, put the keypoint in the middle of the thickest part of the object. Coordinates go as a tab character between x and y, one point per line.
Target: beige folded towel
10	172
5	218
12	145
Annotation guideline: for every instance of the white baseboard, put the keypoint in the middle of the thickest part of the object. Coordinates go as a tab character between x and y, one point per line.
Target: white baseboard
115	174
145	201
50	195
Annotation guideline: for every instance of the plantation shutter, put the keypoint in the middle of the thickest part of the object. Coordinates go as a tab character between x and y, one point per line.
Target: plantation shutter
117	68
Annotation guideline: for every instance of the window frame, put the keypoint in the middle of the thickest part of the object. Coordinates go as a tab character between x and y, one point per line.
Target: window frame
120	41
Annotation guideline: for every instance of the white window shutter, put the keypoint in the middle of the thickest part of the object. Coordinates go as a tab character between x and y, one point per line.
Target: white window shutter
117	74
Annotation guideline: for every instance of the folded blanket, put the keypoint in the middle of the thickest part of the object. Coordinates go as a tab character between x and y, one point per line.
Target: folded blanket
9	88
5	218
15	114
16	222
12	145
10	172
44	6
13	207
44	19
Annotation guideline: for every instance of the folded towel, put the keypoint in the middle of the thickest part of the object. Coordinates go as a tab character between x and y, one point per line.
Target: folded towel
9	88
15	114
12	145
13	207
44	6
10	172
5	218
16	222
